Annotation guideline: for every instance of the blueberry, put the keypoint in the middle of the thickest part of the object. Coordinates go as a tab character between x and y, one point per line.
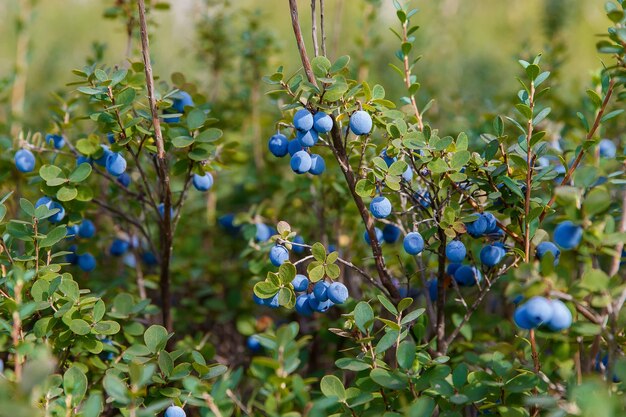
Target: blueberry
279	255
24	160
301	162
379	236
278	145
317	165
203	182
360	123
413	243
86	229
303	120
115	164
300	283
545	247
380	207
391	233
337	293
322	123
320	291
567	235
455	251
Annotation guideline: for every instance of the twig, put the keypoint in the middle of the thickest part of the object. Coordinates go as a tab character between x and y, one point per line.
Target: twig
530	161
322	27
293	7
581	152
617	258
407	78
162	171
314	28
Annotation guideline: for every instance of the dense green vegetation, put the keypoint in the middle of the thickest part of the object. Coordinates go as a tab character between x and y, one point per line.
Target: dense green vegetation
285	209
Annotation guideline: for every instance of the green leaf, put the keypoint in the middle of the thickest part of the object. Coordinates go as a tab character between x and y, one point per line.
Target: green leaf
53	237
27	207
596	201
413	315
116	388
316	271
319	252
182	141
49	172
81	173
166	363
352	364
365	188
196	118
209	135
511	185
67	193
155	338
459	160
387	341
438	166
388	379
75	384
107	327
286	273
397	168
332	271
404	304
80	327
388	305
339	64
265	289
406	354
321	65
331	386
98	310
364	316
594	280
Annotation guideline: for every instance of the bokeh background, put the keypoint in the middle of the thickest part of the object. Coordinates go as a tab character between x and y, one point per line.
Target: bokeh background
469	48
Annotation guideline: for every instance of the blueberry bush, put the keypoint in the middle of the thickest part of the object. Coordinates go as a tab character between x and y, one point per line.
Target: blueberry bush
333	247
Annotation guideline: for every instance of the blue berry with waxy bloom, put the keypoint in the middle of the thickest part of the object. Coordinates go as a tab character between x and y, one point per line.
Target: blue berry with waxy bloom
360	123
467	276
322	123
332	248
303	120
302	305
119	247
57	141
545	247
300	283
294	146
337	293
521	319
24	160
538	311
561	316
278	145
388	159
130	260
111	138
319	306
492	223
391	233
380	207
72	231
124	179
86	262
300	162
320	290
568	235
308	138
451	269
423	198
279	255
413	243
271	302
263	232
318	165
407	175
477	227
44	201
59	215
175	411
379	236
455	251
102	160
607	148
181	100
297	248
87	229
203	182
492	255
106	355
116	164
227	221
253	344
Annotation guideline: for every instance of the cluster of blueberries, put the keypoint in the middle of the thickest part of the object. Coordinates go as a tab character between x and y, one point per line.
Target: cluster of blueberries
308	127
540	311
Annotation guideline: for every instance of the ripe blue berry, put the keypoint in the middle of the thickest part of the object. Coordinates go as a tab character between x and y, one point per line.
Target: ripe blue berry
278	145
455	251
337	293
300	283
538	311
203	182
322	123
561	316
467	276
320	290
391	233
115	164
567	235
24	160
545	247
379	236
317	165
302	305
174	410
279	255
308	138
300	162
380	207
360	123
491	255
303	120
86	262
57	141
413	243
86	229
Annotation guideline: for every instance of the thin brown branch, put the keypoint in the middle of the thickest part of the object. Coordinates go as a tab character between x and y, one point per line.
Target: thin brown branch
293	7
530	162
323	33
314	28
581	152
617	258
163	174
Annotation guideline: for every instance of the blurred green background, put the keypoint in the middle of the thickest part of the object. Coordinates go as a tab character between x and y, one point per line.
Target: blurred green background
469	48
